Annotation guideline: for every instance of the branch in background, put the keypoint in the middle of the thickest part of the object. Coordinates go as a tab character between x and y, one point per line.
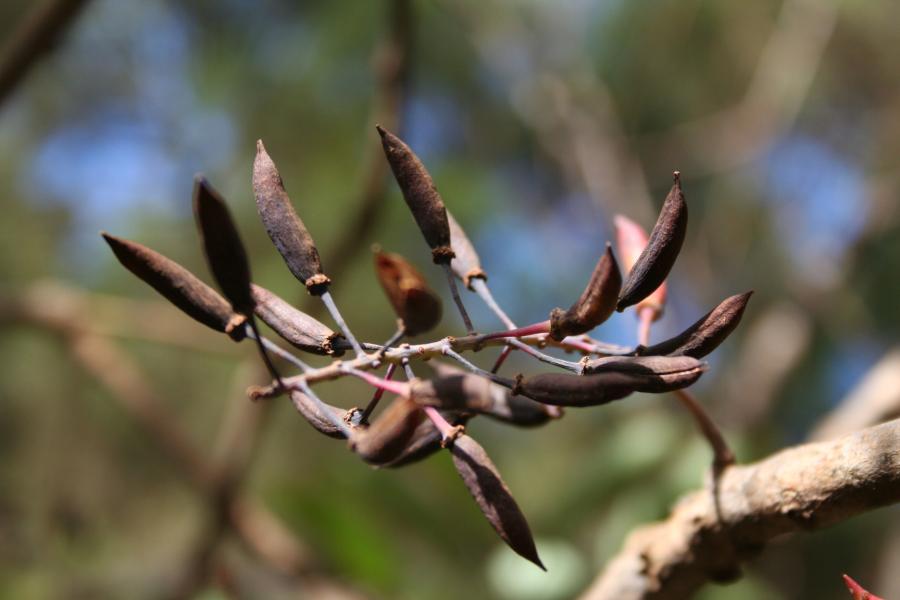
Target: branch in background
37	34
799	489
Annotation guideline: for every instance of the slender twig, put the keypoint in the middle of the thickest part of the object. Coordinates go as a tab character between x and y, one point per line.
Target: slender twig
454	291
323	408
722	454
279	351
401	331
504	381
342	325
376	397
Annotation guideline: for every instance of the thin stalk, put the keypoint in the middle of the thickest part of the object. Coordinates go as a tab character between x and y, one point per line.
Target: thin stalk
270	366
454	291
395	387
342	325
401	331
277	350
335	420
407	369
376	397
546	358
722	454
484	292
536	328
507	350
645	320
447	430
504	381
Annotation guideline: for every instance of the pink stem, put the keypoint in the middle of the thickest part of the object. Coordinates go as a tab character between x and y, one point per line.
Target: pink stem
542	327
577	344
440	422
395	387
646	320
502	358
378	393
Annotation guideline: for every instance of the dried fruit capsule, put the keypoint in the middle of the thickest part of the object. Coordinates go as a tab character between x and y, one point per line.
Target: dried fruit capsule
421	196
652	374
596	304
390	434
457	390
313	415
178	285
631	239
295	326
493	497
284	227
222	246
708	332
655	262
466	264
414	302
425	441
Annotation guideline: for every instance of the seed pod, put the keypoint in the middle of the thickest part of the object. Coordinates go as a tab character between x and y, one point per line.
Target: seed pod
295	326
320	422
457	390
597	302
655	262
563	389
421	196
651	374
390	434
284	227
631	240
493	497
414	302
178	285
707	333
466	264
425	441
222	246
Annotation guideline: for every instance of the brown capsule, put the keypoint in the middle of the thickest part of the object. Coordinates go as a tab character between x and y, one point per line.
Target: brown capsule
426	440
707	333
596	304
457	390
651	374
386	439
414	302
314	416
655	262
562	389
466	264
284	227
493	497
222	245
295	326
178	285
421	196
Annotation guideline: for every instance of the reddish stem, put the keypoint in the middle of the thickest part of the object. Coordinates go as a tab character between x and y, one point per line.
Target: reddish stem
502	358
645	316
446	429
395	387
542	327
378	393
858	591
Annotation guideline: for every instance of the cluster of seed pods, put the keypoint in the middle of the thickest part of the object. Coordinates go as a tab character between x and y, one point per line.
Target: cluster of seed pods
429	414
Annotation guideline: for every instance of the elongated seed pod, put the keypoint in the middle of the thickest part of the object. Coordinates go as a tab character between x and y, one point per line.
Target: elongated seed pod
651	374
178	285
631	239
426	440
493	497
457	390
466	264
563	389
223	247
390	434
655	262
409	294
320	422
295	326
421	196
596	304
707	333
284	227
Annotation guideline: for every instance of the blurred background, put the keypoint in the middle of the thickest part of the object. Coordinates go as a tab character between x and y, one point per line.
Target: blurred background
132	463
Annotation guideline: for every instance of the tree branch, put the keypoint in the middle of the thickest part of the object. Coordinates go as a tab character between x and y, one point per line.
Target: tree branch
798	489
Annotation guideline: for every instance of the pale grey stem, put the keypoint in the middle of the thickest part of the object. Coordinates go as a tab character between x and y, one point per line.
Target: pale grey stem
454	291
335	420
484	292
448	351
568	365
278	350
342	325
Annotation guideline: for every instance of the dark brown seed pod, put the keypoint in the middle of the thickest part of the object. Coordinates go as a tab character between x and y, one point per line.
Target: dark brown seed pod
284	227
421	196
596	304
295	326
651	374
707	333
457	390
414	302
222	245
390	434
313	415
563	389
178	285
493	497
655	262
426	440
466	264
